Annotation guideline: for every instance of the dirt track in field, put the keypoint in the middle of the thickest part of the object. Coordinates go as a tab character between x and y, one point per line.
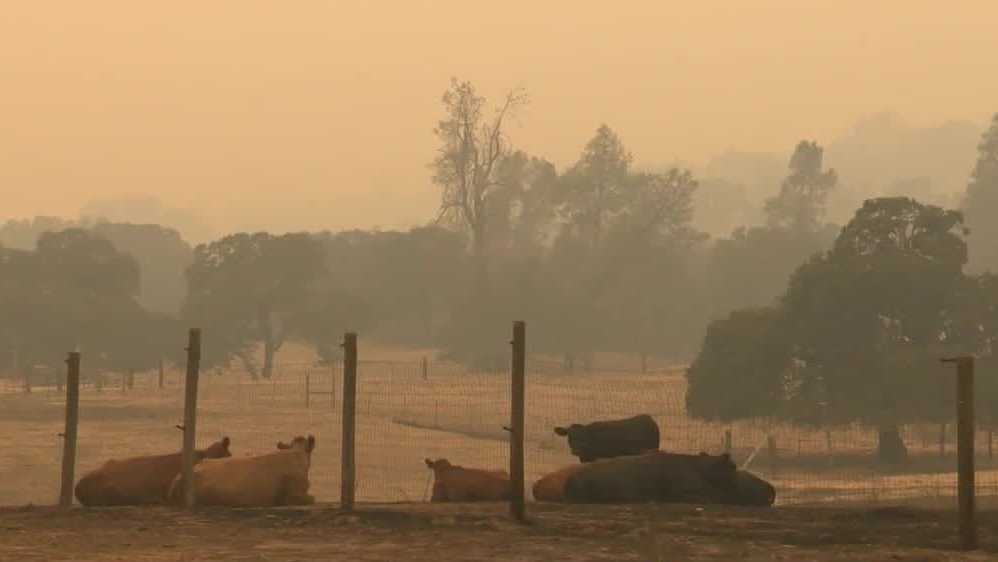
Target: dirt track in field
420	532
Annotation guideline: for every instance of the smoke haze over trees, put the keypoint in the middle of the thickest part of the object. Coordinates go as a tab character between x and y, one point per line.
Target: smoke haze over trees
817	281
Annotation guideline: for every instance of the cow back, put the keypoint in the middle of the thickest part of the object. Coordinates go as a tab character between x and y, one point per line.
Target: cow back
655	477
262	480
133	481
616	438
459	484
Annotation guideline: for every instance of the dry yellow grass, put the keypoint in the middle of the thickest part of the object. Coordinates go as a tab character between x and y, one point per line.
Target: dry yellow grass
404	418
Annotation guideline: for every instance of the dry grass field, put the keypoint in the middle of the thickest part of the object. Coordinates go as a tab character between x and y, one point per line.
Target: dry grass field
404	418
484	532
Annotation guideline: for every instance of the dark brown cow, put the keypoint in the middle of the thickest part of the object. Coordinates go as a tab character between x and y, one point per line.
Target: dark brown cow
139	480
613	438
453	483
751	490
655	477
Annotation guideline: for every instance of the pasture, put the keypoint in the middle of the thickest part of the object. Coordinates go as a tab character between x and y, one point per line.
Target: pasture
452	413
484	532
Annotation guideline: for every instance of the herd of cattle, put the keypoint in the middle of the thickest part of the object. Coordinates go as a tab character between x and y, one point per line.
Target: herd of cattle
620	462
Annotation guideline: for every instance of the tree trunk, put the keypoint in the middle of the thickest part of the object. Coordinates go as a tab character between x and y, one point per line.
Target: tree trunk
482	284
269	343
268	357
890	448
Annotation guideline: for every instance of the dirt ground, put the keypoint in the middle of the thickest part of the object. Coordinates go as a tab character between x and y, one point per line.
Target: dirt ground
423	532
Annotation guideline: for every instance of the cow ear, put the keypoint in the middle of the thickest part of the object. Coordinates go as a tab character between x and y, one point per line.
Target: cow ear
311	443
429	463
225	442
560	431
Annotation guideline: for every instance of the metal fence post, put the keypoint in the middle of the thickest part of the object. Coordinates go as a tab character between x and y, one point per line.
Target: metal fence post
190	413
965	449
69	434
517	502
348	468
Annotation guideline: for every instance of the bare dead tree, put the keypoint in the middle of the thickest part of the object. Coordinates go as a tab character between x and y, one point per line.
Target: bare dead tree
471	146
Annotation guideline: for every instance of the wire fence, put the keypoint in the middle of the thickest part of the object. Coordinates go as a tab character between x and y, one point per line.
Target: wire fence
408	411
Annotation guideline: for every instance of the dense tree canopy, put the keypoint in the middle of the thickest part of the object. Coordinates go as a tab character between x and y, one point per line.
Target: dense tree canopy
76	291
981	203
250	289
162	255
858	333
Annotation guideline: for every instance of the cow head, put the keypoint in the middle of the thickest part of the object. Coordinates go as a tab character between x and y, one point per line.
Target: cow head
578	438
299	443
720	471
437	465
217	450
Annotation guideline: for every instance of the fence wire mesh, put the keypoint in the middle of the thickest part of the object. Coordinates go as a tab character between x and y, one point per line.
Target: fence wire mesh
408	411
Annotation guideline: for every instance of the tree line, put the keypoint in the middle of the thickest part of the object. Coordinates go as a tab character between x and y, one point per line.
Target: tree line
794	317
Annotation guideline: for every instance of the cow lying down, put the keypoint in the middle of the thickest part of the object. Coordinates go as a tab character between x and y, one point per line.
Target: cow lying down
271	479
667	478
138	480
458	484
551	487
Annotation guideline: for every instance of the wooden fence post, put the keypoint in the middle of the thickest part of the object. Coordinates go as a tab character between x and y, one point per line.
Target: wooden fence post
308	389
124	382
426	369
190	413
965	449
942	440
332	386
348	468
771	447
828	446
991	442
131	379
161	373
517	504
727	441
69	433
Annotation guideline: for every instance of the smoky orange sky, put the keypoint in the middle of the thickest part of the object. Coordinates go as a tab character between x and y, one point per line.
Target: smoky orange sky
313	115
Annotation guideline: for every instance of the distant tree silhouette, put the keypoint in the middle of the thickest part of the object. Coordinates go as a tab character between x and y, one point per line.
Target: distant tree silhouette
800	205
76	291
250	289
857	335
981	203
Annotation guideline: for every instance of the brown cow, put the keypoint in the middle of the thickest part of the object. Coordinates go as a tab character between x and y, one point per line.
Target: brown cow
138	480
458	484
551	487
277	478
655	477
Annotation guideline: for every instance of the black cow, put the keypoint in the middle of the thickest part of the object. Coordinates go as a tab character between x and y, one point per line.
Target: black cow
655	477
614	438
751	490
